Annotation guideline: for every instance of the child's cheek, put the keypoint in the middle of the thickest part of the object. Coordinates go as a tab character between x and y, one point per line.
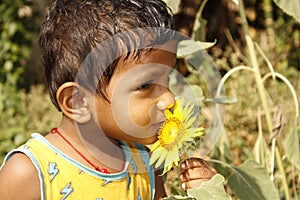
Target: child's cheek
139	115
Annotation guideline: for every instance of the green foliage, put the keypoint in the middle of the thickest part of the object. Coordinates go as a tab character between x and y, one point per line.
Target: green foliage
16	27
10	106
252	177
262	125
188	47
290	7
177	197
22	114
262	152
291	146
173	5
247	133
17	24
212	189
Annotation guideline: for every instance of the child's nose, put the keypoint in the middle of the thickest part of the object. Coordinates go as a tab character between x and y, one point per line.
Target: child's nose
166	99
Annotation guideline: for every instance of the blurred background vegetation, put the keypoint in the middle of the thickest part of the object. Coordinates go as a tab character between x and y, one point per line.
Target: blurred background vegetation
25	106
24	103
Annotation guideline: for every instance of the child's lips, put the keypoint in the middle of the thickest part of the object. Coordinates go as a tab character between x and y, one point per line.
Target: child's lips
158	125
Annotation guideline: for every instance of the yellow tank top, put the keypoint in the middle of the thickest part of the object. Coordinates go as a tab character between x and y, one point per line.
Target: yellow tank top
64	178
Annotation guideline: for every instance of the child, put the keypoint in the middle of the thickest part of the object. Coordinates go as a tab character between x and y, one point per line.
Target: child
107	70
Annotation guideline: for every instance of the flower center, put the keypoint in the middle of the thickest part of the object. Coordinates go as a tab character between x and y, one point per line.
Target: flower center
169	132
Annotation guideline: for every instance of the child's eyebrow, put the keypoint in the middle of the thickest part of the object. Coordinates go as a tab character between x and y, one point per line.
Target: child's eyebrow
150	75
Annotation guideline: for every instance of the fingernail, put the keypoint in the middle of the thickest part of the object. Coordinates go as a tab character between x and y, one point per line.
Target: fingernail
188	163
183	185
183	165
181	176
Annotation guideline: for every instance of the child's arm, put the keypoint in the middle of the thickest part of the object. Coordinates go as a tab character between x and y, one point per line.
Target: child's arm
194	172
19	179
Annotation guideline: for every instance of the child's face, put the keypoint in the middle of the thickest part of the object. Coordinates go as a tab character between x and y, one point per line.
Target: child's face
139	94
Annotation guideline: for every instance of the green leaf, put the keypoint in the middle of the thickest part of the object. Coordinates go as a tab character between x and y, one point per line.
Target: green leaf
223	100
173	5
291	7
236	2
250	181
176	197
193	93
221	150
199	29
261	151
212	189
291	146
188	47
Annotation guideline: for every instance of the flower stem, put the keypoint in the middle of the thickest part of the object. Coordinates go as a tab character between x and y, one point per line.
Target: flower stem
180	190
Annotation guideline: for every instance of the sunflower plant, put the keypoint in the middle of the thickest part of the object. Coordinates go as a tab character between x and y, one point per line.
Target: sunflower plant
176	136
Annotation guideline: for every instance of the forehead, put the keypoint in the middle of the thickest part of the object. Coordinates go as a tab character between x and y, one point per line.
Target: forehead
153	59
164	54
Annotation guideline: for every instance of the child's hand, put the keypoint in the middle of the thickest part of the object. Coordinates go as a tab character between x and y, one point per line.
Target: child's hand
195	171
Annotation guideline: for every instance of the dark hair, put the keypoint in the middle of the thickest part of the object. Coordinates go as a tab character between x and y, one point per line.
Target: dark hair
75	28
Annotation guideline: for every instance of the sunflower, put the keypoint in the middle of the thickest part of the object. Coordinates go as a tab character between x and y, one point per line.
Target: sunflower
175	136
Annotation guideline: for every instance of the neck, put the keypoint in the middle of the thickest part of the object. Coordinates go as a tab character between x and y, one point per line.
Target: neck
94	144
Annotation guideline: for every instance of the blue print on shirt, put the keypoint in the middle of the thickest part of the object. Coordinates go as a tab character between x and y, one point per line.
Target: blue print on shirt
66	191
52	170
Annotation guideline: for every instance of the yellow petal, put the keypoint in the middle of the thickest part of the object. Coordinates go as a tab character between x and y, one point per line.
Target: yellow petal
177	110
166	169
155	145
187	111
154	156
168	114
189	122
176	134
161	158
171	158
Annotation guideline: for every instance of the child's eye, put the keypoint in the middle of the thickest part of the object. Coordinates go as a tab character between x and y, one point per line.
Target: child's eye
145	86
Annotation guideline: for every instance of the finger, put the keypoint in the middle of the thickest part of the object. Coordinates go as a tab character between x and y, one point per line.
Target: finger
192	163
213	170
197	173
205	163
189	163
193	183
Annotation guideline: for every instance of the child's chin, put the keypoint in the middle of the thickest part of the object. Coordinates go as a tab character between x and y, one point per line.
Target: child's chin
148	141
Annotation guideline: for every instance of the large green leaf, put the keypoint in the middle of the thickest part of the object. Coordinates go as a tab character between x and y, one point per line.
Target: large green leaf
262	153
199	29
173	5
177	197
221	150
188	47
212	189
291	7
291	146
250	181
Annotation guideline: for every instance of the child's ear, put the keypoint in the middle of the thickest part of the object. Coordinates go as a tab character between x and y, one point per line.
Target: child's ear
73	101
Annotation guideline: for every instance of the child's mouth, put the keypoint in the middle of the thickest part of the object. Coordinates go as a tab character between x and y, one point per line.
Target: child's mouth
158	126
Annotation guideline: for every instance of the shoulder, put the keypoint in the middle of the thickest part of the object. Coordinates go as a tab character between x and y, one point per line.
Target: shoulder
19	176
